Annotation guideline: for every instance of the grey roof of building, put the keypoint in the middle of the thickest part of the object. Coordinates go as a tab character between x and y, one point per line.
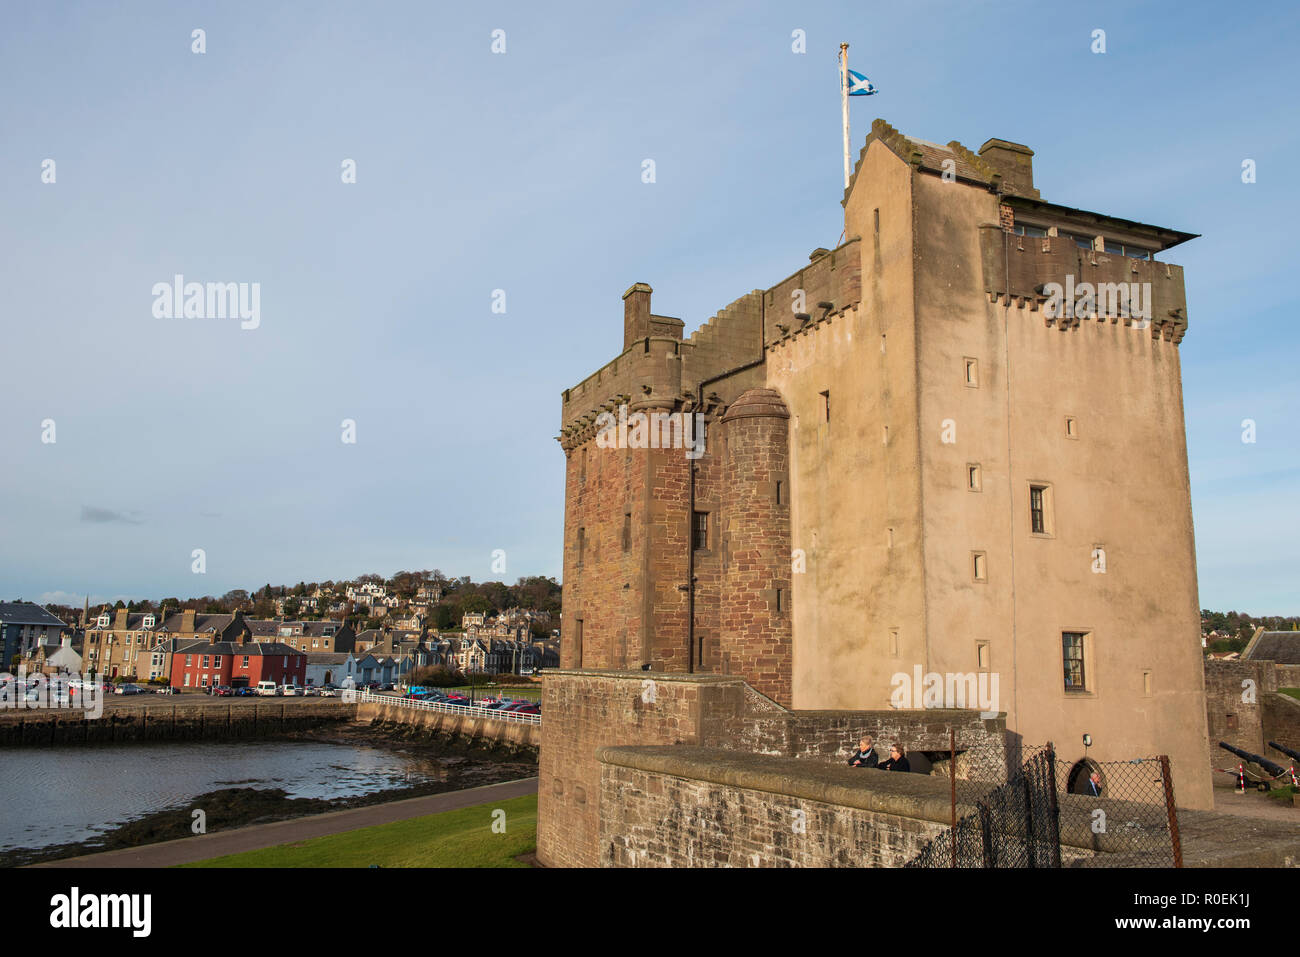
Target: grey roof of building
25	613
326	657
190	646
1282	647
173	622
310	629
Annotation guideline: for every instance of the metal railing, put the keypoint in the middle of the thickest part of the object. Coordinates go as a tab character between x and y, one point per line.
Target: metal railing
471	711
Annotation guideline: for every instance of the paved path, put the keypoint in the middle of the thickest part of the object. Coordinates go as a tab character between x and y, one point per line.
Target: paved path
235	841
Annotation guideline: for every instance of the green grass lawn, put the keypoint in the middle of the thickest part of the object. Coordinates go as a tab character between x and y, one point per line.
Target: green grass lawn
1293	692
461	838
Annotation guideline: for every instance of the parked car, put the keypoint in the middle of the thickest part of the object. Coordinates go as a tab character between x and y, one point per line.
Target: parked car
290	691
245	692
311	691
223	691
129	689
328	692
167	689
268	688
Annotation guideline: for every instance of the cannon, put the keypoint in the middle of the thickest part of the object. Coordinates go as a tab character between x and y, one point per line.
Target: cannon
1292	754
1258	769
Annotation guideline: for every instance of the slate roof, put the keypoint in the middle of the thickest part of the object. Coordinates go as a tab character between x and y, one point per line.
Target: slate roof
973	168
1282	647
190	646
25	613
201	622
310	629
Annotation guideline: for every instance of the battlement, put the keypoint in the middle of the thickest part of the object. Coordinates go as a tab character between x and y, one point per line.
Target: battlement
659	369
1043	272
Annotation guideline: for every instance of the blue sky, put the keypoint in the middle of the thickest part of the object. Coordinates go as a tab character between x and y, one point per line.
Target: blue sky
521	172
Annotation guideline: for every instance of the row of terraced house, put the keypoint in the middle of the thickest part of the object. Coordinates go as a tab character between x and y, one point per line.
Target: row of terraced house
191	650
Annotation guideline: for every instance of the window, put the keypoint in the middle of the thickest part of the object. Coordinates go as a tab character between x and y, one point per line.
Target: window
979	566
1071	427
778	491
582	544
826	405
1146	684
973	477
700	530
1020	229
1083	242
627	531
779	606
893	642
1127	249
187	678
1040	510
189	660
884	436
206	658
1072	656
982	655
972	372
216	661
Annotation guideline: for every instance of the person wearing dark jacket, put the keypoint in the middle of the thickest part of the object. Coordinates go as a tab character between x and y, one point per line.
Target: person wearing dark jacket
865	756
896	760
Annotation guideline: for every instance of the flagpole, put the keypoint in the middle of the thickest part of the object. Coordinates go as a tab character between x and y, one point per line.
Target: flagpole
844	105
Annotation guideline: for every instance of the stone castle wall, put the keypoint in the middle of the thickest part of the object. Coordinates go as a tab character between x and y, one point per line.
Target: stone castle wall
590	710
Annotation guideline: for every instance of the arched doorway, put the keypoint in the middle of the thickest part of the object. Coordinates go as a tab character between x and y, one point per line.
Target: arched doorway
1077	782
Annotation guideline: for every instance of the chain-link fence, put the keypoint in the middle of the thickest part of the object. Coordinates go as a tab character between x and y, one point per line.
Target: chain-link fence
1013	825
1109	814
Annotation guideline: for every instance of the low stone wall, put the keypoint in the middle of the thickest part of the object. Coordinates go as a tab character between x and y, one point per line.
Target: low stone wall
1281	724
831	736
162	723
707	807
439	724
1234	694
1288	676
699	807
588	709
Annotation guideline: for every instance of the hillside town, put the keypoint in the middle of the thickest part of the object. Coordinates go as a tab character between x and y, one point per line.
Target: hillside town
369	631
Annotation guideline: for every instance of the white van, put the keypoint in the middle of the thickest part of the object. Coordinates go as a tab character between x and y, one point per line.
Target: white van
267	688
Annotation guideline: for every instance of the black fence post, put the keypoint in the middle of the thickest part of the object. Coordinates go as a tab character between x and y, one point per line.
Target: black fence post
1053	809
986	834
1171	810
952	778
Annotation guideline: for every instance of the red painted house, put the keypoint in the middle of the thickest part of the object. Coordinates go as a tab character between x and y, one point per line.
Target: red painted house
205	663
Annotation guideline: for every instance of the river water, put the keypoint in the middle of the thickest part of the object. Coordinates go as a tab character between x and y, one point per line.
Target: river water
60	795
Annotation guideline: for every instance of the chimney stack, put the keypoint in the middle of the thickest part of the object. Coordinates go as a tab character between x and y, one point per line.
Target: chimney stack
119	620
187	621
1015	162
636	313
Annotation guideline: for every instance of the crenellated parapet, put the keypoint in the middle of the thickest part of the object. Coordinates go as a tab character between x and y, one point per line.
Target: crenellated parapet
1068	284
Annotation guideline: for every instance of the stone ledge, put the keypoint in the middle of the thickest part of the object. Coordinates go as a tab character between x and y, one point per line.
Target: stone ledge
915	796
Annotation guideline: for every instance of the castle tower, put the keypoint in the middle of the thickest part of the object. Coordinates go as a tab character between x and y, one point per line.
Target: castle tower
982	480
754	619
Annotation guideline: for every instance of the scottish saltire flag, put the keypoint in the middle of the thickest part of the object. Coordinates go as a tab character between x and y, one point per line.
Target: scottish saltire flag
859	85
